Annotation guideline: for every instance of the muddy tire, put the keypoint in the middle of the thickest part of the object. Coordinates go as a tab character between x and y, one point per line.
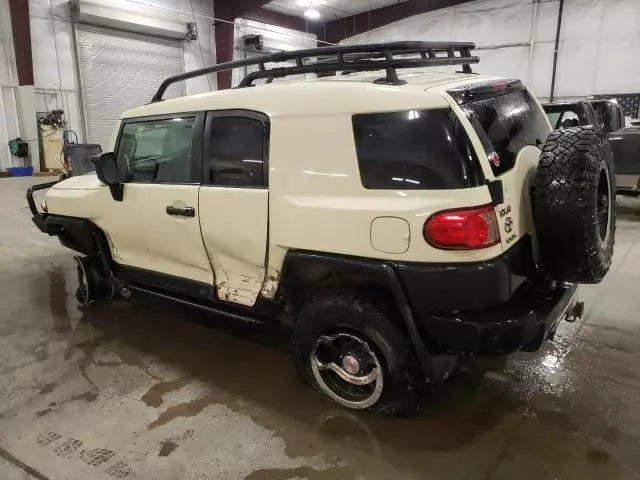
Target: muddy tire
574	205
357	336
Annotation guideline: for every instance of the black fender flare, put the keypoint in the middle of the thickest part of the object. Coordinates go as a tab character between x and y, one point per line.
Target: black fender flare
380	271
80	235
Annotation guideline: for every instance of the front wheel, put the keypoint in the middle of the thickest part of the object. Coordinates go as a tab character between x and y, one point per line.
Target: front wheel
90	287
85	292
350	349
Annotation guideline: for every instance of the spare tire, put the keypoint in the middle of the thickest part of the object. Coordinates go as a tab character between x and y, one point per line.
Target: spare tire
574	205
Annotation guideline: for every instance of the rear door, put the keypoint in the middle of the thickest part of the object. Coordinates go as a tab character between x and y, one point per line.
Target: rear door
234	202
512	128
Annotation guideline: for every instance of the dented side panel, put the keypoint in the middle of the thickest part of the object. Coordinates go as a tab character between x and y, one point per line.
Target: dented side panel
234	229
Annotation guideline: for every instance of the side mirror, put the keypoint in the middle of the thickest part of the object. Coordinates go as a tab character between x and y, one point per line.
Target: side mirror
107	171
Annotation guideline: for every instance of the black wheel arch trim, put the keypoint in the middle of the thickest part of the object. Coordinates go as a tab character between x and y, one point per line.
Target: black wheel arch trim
384	271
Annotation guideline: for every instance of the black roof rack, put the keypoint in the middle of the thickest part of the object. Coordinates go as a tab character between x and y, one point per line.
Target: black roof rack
346	58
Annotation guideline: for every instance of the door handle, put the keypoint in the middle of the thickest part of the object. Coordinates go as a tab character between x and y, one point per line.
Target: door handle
182	212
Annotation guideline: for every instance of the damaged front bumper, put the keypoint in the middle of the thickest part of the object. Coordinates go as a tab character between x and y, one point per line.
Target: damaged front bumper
39	217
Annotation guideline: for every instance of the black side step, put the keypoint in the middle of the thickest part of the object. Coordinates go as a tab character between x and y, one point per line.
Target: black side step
235	315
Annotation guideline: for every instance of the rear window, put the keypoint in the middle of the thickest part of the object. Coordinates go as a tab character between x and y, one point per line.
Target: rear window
507	123
414	150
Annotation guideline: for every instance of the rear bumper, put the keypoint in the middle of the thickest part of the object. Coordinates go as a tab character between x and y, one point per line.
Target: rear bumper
486	308
523	323
467	286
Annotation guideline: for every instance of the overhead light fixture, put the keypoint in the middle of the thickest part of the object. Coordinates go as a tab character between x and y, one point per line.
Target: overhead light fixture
312	14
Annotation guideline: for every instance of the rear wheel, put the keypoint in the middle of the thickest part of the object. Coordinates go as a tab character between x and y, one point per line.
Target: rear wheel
349	349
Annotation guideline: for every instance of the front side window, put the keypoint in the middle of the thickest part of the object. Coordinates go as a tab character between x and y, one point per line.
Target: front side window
414	150
157	151
236	152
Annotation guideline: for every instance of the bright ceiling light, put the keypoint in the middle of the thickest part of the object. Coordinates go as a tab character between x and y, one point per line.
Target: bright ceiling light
312	14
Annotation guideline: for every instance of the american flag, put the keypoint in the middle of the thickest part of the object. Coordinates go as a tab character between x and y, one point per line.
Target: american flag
630	102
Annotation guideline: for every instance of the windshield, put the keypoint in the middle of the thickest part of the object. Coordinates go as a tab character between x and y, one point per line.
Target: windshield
505	124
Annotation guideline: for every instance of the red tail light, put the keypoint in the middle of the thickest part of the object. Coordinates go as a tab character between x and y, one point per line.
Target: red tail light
472	228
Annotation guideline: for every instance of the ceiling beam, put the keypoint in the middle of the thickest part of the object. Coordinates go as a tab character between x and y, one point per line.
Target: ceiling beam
228	11
342	28
19	13
278	19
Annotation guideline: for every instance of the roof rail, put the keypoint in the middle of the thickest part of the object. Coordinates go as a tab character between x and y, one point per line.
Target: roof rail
346	58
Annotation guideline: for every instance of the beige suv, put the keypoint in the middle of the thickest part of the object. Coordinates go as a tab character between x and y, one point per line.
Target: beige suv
394	215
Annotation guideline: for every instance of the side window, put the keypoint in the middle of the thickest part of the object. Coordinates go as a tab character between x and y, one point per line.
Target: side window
554	119
569	119
414	150
157	151
236	152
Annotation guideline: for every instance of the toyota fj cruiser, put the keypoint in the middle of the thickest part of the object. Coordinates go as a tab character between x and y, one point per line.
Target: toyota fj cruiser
396	218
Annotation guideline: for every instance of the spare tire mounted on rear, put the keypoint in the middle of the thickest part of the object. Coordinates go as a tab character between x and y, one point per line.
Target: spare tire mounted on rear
574	205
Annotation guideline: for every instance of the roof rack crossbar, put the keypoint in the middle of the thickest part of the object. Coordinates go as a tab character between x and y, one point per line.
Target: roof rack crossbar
354	58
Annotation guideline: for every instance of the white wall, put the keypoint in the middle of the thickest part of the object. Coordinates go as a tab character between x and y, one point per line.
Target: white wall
8	80
54	57
599	49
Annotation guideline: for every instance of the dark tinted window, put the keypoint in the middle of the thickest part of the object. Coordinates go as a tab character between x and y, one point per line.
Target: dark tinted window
507	123
157	151
414	150
236	153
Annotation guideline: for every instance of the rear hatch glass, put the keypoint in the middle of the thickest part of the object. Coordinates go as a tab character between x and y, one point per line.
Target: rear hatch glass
506	118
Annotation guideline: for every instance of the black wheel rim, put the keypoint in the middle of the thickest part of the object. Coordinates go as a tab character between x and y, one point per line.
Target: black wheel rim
347	370
603	202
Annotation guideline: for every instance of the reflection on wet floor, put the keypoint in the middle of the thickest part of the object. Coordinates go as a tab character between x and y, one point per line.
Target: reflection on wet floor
143	388
517	407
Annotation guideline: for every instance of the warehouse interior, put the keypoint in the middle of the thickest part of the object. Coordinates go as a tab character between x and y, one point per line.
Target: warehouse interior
146	388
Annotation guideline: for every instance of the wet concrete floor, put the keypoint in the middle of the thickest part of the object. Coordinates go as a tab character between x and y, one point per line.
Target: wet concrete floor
146	389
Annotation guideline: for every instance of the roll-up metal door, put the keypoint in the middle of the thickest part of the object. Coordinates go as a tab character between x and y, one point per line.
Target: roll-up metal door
121	70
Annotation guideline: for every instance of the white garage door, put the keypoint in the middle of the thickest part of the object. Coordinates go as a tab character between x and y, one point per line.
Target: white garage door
121	70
